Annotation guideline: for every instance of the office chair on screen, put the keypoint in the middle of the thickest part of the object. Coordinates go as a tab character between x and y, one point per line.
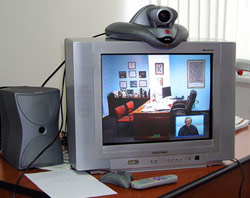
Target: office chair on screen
184	107
130	107
121	117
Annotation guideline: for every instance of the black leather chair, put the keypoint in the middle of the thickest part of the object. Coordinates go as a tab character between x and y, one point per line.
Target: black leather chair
184	107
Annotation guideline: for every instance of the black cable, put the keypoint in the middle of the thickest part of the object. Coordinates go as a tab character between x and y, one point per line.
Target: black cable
207	178
27	192
3	87
98	35
51	75
63	64
62	93
242	175
25	170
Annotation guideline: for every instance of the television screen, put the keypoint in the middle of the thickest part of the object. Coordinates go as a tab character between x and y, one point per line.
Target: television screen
139	79
132	106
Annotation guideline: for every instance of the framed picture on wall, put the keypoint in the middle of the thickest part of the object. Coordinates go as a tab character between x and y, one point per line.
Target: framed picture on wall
160	80
131	65
159	68
122	74
133	83
196	73
142	83
132	74
123	84
142	74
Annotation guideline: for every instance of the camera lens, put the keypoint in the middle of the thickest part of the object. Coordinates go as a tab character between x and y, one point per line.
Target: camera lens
164	16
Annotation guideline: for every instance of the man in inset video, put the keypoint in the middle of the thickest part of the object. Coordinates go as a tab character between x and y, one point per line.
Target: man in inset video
188	128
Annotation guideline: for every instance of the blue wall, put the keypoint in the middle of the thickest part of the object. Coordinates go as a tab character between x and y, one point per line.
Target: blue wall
178	79
112	64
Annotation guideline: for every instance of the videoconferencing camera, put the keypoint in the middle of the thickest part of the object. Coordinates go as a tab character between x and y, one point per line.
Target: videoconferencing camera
152	24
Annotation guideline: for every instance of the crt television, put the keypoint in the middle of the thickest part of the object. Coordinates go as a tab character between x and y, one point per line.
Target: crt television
103	75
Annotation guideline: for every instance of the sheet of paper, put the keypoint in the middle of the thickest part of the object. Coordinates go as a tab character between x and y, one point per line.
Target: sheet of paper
69	183
240	122
63	166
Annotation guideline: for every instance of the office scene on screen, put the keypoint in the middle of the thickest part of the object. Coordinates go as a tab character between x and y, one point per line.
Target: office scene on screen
156	97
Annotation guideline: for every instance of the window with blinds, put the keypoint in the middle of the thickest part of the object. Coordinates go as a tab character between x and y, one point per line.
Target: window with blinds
213	19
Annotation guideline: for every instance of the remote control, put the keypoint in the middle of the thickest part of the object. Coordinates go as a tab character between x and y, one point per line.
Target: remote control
154	181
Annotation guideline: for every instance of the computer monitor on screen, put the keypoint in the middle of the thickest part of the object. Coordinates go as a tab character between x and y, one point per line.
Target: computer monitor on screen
166	91
103	75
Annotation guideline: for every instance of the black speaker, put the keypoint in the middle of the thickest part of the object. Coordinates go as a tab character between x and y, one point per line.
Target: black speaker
29	122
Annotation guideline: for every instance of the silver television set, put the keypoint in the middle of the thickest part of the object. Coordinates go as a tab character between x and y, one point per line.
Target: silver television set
103	75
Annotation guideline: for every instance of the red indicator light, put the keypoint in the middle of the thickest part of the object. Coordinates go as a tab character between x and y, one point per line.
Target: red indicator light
167	31
240	72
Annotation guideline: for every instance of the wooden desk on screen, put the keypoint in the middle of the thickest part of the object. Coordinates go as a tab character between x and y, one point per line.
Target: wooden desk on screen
152	125
221	181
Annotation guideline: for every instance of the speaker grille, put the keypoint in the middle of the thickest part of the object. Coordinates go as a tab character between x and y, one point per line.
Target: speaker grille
39	108
50	156
5	124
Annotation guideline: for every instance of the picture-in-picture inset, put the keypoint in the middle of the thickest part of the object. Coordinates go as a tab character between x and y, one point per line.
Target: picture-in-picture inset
189	125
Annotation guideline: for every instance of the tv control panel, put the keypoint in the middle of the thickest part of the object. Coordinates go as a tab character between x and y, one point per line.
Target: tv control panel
161	162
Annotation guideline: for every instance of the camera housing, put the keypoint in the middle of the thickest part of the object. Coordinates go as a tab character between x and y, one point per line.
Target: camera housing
155	16
152	24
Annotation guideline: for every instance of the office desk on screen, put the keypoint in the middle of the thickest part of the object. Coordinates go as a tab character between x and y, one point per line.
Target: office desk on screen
151	125
217	181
